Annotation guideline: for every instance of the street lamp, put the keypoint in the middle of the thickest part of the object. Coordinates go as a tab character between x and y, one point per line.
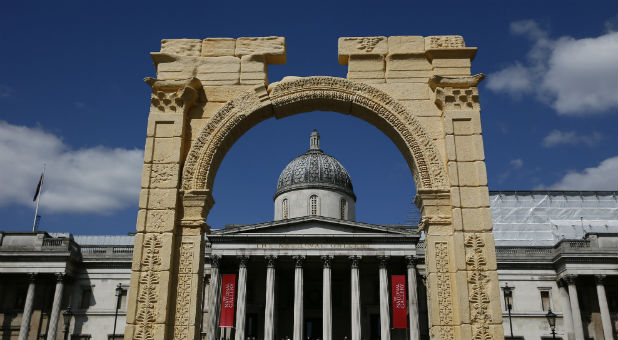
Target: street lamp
551	319
119	292
508	302
67	314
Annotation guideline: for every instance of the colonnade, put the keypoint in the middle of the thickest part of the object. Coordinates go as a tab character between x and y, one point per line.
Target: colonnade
29	303
327	322
571	311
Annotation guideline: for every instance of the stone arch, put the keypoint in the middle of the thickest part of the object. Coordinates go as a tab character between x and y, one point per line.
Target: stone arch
309	94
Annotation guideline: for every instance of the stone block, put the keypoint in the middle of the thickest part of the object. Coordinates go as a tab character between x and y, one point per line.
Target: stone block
164	125
421	107
432	251
476	219
164	175
451	71
366	75
396	74
186	47
196	127
432	125
407	92
410	44
273	48
474	197
253	70
469	148
451	62
167	150
444	41
407	63
462	122
457	219
156	221
455	197
143	199
366	63
193	243
471	173
152	250
410	80
219	70
453	174
179	69
162	198
218	47
451	150
348	46
223	94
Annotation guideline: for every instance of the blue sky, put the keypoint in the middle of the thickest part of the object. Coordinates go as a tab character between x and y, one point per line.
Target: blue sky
71	94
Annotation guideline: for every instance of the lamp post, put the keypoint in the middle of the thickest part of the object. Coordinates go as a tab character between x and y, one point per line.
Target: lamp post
551	319
119	292
67	314
508	302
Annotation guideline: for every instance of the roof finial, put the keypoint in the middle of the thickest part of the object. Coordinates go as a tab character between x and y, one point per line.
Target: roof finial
314	140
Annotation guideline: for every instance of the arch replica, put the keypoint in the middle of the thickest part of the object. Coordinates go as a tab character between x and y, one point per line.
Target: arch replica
208	93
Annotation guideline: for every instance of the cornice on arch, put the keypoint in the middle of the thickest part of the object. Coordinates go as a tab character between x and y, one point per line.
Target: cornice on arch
309	94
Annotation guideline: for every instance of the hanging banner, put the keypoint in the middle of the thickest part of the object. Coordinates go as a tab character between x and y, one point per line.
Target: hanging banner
228	289
400	310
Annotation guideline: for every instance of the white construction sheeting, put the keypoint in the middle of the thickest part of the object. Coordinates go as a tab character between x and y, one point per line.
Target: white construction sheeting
542	218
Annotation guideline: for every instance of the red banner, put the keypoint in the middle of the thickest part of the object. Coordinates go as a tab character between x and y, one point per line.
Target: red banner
400	309
228	289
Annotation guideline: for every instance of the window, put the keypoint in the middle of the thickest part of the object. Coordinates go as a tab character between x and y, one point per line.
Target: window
285	209
343	207
545	301
85	298
313	205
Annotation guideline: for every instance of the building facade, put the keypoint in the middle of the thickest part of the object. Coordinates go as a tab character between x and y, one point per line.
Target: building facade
314	272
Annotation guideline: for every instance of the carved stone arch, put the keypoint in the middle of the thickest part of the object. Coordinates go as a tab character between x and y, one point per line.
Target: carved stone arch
309	94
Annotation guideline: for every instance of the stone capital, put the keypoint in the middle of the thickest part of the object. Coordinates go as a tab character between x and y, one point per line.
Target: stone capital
242	261
61	277
270	261
215	261
354	261
570	279
383	261
599	278
298	261
174	96
327	261
32	277
196	204
410	261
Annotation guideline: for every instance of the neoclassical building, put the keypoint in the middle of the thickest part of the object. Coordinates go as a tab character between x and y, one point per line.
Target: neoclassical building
316	272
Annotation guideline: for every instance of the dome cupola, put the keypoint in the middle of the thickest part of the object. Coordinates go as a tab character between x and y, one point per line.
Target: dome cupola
314	183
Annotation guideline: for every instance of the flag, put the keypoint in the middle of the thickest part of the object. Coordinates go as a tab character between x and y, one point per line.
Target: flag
400	310
38	188
228	290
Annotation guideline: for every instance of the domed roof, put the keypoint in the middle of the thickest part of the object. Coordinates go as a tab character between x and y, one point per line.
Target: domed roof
315	169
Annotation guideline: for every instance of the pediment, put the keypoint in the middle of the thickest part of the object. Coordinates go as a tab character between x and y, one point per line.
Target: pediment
319	226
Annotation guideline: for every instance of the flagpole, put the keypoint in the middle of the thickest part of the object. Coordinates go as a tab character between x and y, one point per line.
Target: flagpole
38	199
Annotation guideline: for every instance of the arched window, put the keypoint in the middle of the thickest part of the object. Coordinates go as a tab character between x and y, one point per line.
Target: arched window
284	208
342	208
313	205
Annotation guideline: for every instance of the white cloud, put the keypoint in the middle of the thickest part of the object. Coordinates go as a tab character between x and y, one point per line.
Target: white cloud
602	177
557	137
573	76
517	163
91	180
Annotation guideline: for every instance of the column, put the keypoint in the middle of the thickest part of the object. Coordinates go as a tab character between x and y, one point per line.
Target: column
242	298
567	317
327	305
269	309
298	298
355	289
577	316
415	332
55	313
213	297
385	326
605	318
25	319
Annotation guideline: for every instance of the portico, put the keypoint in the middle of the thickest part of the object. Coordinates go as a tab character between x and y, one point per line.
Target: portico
320	277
